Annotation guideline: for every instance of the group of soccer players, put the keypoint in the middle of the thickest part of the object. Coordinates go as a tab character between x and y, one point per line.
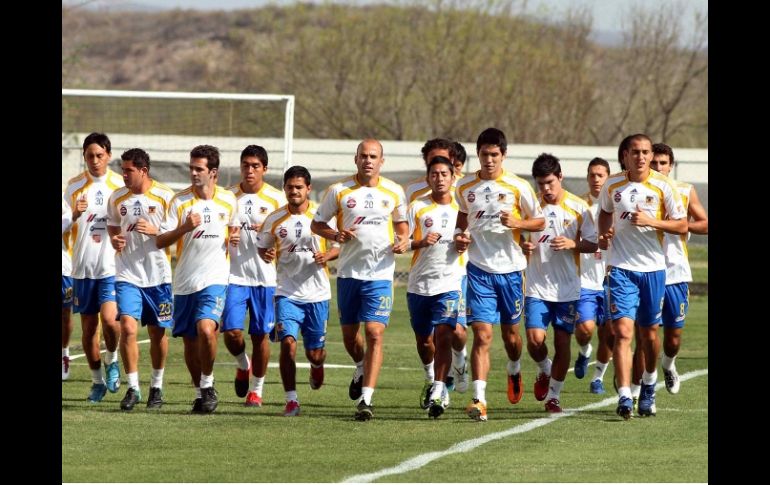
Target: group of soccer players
253	248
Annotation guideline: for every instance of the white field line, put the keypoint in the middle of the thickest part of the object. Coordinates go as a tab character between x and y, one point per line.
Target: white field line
420	461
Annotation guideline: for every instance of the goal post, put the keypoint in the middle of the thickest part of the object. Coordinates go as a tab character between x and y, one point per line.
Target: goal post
169	124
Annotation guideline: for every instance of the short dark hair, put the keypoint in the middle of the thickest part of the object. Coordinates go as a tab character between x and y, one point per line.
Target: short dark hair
492	136
622	148
546	164
438	143
255	151
139	157
440	159
100	139
210	153
297	171
460	153
599	161
663	149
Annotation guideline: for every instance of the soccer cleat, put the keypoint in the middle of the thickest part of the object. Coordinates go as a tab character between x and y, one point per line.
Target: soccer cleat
65	368
445	398
197	406
672	380
425	394
291	409
132	397
436	408
354	391
316	377
209	399
541	386
625	406
252	400
241	381
647	400
597	387
112	375
461	384
515	388
155	401
477	410
449	380
581	366
97	393
364	411
552	405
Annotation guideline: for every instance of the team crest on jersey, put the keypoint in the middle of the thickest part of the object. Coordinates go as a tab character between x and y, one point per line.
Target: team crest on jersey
282	232
222	216
567	222
123	210
649	199
501	197
263	210
428	222
385	204
151	209
617	197
351	202
471	196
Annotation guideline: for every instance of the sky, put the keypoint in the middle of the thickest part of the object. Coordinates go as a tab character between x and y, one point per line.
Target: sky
607	14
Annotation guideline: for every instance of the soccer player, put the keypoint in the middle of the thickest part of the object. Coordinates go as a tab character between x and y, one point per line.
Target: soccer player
303	293
252	280
369	209
590	308
553	276
202	218
143	272
678	273
66	290
494	207
433	291
93	262
634	203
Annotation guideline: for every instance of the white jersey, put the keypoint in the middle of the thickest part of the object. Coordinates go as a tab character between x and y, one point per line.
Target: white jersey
92	253
299	277
246	267
677	260
638	248
371	211
66	222
435	269
593	265
494	247
140	262
202	258
555	275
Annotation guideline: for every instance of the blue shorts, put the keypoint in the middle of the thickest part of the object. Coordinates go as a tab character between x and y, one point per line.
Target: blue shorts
151	306
207	303
364	301
637	295
540	313
309	318
66	292
591	306
258	300
675	305
427	311
90	294
494	298
462	308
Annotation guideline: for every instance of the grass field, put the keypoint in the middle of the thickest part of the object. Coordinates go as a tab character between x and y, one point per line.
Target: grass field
324	444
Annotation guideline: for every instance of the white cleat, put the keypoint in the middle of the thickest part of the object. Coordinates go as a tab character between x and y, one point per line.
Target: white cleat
461	378
671	378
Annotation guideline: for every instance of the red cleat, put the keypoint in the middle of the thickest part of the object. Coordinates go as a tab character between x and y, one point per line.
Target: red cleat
541	386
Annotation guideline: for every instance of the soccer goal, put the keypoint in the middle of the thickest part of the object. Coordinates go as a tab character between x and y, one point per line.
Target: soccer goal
169	124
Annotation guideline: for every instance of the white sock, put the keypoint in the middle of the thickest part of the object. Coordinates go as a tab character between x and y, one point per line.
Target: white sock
513	367
96	376
650	377
243	360
668	363
366	394
480	391
65	352
585	350
636	389
157	378
133	380
292	396
359	370
315	366
458	358
545	366
428	368
256	384
197	392
110	357
437	390
599	370
624	391
207	381
554	389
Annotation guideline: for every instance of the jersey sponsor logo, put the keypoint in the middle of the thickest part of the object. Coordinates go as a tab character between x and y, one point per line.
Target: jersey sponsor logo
91	217
123	210
428	222
299	249
544	238
471	197
203	235
616	197
625	215
245	226
361	220
480	214
351	202
282	232
131	227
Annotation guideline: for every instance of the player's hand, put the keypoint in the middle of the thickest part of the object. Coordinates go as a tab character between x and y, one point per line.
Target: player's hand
604	239
255	227
462	241
559	243
144	227
528	247
641	217
400	245
193	220
267	255
235	235
320	258
118	242
81	205
509	220
431	239
346	235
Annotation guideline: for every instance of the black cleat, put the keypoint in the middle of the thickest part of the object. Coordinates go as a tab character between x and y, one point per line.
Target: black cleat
155	401
197	406
354	391
364	411
132	397
209	400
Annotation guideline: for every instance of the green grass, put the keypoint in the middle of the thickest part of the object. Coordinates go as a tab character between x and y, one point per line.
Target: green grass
238	444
